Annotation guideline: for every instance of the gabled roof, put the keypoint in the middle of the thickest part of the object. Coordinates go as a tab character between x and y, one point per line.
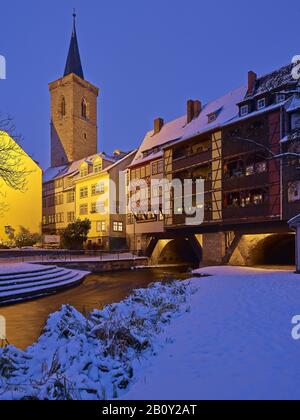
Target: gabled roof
225	107
73	64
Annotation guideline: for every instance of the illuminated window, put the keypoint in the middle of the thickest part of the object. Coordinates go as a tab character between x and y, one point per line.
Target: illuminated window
98	188
261	167
71	216
84	172
158	167
249	170
70	197
98	167
83	209
118	226
84	192
100	207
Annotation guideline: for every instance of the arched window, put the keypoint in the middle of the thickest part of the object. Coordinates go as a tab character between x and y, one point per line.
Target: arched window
63	107
84	108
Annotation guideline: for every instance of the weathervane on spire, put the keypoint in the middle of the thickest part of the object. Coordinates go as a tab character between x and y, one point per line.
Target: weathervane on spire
74	18
73	64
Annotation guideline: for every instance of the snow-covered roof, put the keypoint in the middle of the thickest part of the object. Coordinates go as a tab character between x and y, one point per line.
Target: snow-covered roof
256	113
124	157
73	169
54	173
274	80
225	108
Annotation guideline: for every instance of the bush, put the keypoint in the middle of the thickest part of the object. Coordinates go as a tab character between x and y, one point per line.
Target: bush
76	234
26	238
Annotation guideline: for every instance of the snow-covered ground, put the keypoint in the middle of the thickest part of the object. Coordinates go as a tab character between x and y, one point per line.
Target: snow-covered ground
97	356
235	343
15	268
226	336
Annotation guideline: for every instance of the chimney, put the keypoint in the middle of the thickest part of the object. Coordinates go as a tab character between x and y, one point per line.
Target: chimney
197	108
252	77
158	125
190	110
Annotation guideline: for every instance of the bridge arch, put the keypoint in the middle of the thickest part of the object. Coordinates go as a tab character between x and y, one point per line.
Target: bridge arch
177	251
265	249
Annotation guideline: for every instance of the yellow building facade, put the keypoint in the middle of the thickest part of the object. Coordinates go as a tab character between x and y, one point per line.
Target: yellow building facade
82	190
21	208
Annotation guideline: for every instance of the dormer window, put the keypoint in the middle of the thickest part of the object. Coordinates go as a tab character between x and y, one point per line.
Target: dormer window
280	97
244	110
261	103
84	172
97	167
212	117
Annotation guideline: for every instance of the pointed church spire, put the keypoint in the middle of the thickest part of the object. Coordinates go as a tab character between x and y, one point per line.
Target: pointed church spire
73	64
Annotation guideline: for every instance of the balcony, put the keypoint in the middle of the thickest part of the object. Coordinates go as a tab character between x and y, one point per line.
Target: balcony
246	182
191	160
261	211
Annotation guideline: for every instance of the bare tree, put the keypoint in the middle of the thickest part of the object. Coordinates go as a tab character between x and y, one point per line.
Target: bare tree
13	173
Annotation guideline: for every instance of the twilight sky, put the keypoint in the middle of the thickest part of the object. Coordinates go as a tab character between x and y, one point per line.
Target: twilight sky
147	58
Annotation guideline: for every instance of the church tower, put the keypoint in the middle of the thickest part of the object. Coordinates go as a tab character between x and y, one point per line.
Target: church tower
73	111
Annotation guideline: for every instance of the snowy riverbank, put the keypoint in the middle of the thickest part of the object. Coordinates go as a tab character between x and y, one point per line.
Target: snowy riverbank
94	357
227	336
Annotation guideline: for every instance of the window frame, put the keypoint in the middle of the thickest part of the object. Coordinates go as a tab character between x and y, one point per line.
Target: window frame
262	100
244	108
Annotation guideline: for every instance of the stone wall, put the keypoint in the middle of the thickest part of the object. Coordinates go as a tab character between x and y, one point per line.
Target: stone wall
213	248
102	266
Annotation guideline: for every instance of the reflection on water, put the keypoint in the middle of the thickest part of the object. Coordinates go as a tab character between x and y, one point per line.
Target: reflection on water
25	320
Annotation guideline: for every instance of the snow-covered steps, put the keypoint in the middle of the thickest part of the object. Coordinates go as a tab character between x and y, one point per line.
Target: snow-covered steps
19	282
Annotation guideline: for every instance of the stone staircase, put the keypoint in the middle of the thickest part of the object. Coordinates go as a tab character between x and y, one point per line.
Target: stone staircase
20	282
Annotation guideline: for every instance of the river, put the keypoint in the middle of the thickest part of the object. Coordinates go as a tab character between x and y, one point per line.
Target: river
25	320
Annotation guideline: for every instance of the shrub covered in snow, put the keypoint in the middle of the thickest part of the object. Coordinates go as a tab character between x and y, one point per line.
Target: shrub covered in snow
92	357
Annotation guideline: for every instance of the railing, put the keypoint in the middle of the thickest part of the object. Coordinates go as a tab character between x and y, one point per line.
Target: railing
244	181
248	212
70	256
